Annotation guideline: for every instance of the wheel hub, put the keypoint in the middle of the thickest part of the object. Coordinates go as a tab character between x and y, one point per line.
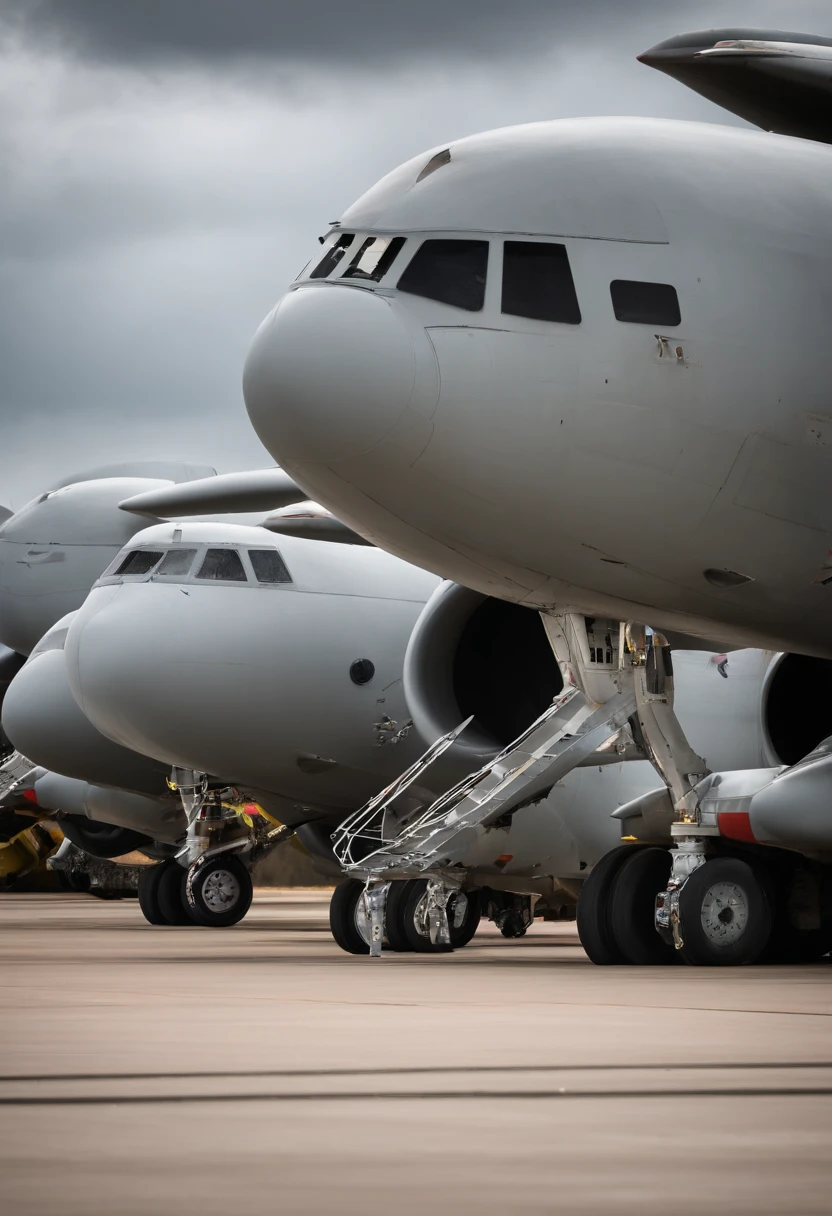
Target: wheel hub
363	923
220	890
724	913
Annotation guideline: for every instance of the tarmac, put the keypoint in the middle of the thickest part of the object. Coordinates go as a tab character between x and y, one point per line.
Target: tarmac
260	1070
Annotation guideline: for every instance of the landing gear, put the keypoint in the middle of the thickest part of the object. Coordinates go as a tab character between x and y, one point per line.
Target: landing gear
406	918
348	917
633	908
719	914
594	912
218	891
724	914
170	894
149	880
463	910
394	918
511	913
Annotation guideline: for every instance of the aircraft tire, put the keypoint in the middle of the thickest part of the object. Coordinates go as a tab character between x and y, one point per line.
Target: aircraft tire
218	891
594	913
343	922
170	894
725	914
394	928
632	908
460	936
149	894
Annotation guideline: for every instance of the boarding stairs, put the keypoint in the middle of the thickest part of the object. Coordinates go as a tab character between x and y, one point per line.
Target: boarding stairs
376	845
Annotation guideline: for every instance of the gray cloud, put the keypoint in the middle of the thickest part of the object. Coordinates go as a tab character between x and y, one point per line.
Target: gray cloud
363	31
163	181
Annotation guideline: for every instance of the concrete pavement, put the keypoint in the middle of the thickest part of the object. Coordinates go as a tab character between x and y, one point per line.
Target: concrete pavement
259	1069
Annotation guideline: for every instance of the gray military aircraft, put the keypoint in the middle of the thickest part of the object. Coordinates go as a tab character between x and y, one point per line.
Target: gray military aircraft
312	739
51	551
580	365
218	712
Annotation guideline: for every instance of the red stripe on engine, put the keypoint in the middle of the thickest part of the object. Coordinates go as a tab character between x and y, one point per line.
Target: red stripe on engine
736	825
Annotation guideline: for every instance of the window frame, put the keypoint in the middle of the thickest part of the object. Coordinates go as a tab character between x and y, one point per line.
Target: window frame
286	582
654	321
564	257
148	549
225	582
394	240
484	239
340	241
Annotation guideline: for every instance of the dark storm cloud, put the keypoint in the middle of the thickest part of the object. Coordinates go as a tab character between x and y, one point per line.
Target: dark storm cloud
361	32
168	165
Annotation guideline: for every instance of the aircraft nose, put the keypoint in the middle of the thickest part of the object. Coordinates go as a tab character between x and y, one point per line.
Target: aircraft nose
106	661
329	373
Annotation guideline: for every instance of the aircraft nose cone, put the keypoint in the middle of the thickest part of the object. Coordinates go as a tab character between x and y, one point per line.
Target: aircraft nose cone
329	374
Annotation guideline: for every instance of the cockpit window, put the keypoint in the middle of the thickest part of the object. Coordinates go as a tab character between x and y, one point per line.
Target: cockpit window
451	271
374	258
223	565
645	303
333	256
269	566
139	561
177	561
537	282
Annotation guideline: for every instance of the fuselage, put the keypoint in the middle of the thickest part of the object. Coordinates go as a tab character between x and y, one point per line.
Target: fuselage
273	665
650	439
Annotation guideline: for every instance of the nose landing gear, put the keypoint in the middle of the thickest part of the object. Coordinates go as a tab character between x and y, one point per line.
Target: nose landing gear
215	892
207	882
218	890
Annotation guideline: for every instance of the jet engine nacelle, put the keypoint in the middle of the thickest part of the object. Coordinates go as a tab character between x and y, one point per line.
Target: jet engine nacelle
472	654
44	722
795	707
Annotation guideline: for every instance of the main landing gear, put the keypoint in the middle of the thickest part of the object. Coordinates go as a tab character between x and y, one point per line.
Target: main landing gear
616	907
405	917
722	916
214	891
645	905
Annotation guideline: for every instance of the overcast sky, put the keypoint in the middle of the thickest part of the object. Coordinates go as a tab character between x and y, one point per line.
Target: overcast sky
167	167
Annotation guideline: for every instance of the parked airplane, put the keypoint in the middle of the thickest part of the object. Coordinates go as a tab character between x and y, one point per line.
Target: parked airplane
140	651
580	365
54	548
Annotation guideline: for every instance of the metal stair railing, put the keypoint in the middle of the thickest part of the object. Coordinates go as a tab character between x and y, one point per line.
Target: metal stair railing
566	734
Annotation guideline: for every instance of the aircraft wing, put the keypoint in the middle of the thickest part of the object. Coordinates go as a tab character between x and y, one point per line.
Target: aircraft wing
311	522
255	490
779	81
